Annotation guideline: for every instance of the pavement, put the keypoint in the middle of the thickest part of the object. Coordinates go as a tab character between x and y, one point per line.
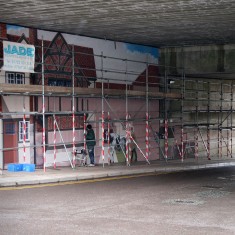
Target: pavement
65	174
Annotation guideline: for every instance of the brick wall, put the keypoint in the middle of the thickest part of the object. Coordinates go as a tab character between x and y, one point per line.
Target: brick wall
3	31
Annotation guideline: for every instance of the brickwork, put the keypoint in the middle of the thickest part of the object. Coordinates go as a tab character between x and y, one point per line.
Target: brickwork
3	31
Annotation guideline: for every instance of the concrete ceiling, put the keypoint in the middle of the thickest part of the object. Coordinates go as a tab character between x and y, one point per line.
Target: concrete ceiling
148	22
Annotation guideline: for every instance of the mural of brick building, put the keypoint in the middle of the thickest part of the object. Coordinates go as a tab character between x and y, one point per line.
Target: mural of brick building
65	64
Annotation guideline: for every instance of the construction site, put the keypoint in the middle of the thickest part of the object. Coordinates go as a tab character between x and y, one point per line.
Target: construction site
116	117
174	113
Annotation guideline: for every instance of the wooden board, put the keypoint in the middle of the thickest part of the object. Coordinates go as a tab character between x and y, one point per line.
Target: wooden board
50	90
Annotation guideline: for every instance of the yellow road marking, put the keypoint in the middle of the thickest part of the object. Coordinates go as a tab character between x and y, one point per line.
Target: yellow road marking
79	181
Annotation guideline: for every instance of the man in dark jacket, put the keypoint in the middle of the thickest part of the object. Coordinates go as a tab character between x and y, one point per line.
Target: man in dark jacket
90	142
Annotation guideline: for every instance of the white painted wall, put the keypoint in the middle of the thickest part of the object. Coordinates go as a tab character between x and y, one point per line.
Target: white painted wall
15	104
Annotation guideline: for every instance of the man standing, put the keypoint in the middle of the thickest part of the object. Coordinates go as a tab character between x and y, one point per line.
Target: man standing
90	142
133	146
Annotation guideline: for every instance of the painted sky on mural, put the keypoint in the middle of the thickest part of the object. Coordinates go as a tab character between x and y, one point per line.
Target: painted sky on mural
142	49
17	30
134	48
136	55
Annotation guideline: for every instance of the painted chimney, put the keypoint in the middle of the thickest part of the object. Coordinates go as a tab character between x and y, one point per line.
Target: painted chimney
3	31
33	36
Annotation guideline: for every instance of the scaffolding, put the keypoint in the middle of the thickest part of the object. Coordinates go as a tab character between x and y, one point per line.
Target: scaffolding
180	117
206	116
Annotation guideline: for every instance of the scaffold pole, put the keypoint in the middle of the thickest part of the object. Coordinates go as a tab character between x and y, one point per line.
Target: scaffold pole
54	131
24	130
108	137
73	109
147	112
127	125
102	107
43	111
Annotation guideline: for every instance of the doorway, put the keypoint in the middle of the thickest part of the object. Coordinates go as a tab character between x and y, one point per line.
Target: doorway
10	143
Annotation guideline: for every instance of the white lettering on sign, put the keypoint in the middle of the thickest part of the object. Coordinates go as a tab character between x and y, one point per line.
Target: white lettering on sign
18	57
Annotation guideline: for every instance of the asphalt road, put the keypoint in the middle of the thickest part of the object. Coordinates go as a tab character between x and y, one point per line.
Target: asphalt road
196	202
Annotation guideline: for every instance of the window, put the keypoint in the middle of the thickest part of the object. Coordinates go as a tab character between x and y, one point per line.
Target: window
59	82
15	78
9	128
21	131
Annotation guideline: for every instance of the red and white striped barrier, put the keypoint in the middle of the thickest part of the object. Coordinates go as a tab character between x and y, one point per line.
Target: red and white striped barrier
176	142
182	144
103	136
129	133
109	158
24	135
44	140
54	142
84	131
127	141
74	147
147	135
166	139
102	154
129	145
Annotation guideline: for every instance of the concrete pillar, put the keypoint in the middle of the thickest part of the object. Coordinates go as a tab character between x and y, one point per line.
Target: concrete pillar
220	62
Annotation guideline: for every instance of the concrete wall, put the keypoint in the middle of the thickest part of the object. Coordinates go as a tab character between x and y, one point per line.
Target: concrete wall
204	76
199	59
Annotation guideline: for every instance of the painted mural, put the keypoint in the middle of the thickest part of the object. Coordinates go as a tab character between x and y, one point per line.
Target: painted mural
94	60
128	53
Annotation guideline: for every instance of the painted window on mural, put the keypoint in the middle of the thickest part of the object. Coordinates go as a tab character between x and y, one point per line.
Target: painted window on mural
59	82
21	130
9	128
15	78
65	122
